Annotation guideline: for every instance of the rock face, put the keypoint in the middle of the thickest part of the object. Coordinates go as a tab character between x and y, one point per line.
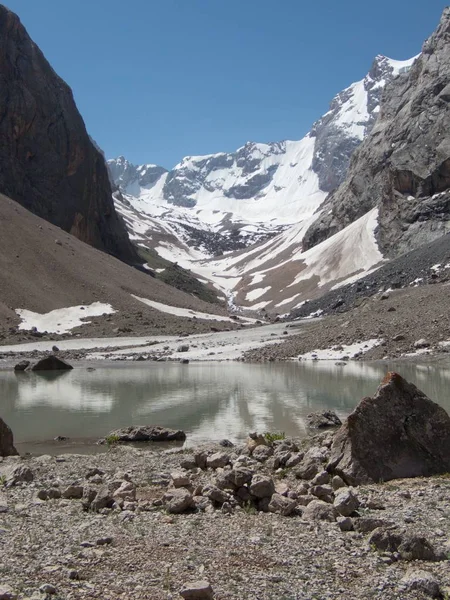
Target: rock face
398	433
403	166
47	160
6	440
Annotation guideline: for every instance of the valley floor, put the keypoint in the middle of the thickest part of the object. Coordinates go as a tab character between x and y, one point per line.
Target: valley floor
146	554
383	326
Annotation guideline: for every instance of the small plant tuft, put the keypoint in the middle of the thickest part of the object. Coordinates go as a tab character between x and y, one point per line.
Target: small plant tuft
249	508
2	480
112	439
273	436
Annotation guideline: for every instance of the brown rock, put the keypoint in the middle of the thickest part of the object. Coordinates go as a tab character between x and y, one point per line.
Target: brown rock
397	433
6	440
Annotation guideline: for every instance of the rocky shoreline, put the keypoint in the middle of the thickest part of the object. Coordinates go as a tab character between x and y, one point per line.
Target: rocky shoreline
271	518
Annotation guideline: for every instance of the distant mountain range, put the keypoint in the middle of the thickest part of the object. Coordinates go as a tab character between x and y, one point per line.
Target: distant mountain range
259	201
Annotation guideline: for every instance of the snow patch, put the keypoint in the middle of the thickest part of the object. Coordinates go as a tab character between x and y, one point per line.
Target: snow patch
62	320
350	351
255	294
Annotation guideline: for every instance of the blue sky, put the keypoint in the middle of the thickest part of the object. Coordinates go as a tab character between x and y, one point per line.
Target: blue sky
159	80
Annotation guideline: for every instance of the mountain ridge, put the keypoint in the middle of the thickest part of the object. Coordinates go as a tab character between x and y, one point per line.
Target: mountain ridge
47	160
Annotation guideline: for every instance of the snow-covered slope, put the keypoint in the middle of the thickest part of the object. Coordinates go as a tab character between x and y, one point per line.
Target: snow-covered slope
210	205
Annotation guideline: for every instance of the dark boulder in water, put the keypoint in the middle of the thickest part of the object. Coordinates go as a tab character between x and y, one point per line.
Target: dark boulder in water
51	363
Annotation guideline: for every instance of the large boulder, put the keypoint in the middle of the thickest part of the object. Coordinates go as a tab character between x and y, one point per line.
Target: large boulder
6	440
51	363
397	433
147	433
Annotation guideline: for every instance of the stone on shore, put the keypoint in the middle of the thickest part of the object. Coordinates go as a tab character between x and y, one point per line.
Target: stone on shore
51	363
6	440
323	419
197	590
147	433
22	365
396	434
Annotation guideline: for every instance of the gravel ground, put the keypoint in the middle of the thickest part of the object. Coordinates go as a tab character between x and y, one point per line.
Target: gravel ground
149	554
402	318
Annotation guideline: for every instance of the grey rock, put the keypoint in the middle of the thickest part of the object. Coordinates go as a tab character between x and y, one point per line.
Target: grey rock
201	503
188	463
261	486
180	501
197	590
294	460
16	474
323	492
239	476
48	588
398	433
180	479
183	348
215	494
126	491
422	343
226	443
22	365
323	419
308	468
369	524
103	499
346	502
282	505
337	483
148	433
218	460
345	523
6	440
6	593
201	459
316	510
408	545
418	580
321	478
262	453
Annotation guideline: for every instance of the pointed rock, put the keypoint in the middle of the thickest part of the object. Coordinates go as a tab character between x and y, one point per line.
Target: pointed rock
397	433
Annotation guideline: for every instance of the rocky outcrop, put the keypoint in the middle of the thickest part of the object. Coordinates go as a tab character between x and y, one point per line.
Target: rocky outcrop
6	440
146	433
396	434
403	166
47	160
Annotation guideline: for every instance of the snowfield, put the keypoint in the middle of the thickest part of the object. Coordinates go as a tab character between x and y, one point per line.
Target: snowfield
62	320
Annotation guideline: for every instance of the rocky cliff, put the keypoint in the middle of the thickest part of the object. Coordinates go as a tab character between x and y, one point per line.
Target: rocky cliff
47	160
403	166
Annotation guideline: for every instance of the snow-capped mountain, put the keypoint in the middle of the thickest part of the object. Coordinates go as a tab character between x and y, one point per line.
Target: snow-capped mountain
208	205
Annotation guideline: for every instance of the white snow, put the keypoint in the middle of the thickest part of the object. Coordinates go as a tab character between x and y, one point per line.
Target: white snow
255	294
187	312
62	320
352	250
349	350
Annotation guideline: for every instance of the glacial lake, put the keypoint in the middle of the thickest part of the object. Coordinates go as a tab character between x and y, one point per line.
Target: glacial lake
210	401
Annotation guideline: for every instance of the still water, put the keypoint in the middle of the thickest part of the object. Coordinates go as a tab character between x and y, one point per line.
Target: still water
210	401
